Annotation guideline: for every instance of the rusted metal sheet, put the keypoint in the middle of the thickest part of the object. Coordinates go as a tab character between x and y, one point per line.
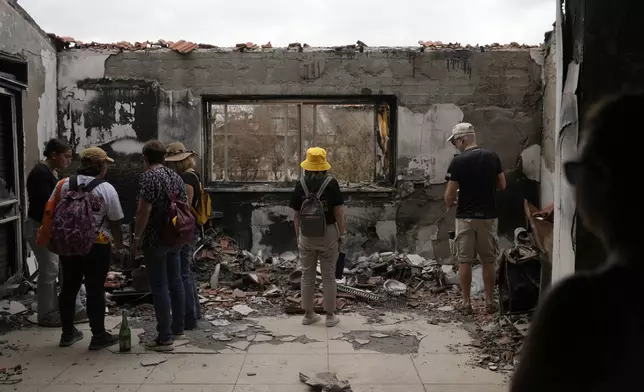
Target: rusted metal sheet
542	230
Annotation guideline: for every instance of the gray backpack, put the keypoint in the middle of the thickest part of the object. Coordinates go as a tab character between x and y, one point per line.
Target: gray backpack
312	218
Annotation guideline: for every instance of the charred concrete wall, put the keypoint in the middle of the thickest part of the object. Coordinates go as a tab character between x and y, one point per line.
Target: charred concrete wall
21	36
549	77
119	100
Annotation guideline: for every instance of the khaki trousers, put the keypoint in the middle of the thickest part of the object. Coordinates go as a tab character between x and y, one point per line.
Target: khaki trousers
326	249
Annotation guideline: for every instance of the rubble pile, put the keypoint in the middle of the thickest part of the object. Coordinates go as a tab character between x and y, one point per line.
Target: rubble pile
500	342
229	277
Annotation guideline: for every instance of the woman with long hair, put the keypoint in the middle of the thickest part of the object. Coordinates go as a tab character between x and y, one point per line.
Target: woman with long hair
183	161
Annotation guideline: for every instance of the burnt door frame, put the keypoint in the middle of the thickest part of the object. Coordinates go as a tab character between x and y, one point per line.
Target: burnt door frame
16	219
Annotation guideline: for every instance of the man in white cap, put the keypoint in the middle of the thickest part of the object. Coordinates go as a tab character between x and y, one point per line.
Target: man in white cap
474	176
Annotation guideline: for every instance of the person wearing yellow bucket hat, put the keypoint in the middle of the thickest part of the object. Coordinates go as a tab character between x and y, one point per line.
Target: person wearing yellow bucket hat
320	231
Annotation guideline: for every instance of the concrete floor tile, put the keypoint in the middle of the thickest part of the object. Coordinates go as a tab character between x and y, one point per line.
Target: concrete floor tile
374	369
272	388
198	369
388	388
453	369
280	369
292	326
105	368
289	348
348	323
190	349
444	340
344	347
464	388
187	388
93	388
40	365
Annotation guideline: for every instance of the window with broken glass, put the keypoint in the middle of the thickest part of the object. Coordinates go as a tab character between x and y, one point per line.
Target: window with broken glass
265	142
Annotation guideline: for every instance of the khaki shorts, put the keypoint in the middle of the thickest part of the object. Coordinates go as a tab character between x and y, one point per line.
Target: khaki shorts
476	236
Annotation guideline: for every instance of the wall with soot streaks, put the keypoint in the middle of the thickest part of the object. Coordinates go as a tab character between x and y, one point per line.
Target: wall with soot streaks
104	95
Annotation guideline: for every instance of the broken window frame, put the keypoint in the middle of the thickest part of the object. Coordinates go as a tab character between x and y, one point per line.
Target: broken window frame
384	111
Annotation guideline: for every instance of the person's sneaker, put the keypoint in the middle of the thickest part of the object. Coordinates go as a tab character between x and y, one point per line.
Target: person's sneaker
332	320
81	316
341	281
311	319
103	341
66	340
178	336
158	345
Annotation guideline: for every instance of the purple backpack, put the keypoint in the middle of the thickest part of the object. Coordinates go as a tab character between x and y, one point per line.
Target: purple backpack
74	229
178	226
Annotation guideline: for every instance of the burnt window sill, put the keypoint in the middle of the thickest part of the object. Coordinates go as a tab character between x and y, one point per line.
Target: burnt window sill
276	188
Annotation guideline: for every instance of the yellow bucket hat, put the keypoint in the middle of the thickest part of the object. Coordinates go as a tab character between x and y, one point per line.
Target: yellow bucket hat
315	160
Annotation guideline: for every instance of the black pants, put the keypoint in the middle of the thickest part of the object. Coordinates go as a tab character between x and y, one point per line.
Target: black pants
94	267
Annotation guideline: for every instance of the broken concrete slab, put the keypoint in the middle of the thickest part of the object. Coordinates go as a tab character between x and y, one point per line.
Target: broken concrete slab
220	323
152	361
12	307
288	339
362	342
222	337
327	382
379	335
244	310
241	345
446	309
262	338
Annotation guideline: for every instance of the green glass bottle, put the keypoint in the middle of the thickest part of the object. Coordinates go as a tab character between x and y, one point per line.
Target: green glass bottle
125	335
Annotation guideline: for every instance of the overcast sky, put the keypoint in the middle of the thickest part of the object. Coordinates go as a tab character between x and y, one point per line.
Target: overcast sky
316	22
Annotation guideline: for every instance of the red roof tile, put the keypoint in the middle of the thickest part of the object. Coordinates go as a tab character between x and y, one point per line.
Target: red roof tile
183	46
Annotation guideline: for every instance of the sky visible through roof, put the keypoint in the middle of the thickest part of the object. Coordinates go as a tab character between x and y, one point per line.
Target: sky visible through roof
319	23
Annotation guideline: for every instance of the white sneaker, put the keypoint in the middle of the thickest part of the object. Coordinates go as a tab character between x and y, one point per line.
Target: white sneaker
341	281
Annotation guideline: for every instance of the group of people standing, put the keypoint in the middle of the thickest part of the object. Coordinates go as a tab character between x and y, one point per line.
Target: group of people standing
169	178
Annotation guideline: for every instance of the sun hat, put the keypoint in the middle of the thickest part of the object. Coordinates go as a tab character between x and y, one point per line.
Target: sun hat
177	152
315	160
461	129
95	154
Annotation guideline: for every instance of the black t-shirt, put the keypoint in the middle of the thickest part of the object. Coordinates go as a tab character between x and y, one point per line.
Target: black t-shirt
191	178
588	333
476	170
41	183
331	197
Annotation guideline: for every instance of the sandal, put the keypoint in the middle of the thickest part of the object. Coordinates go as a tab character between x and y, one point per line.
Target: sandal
491	308
465	309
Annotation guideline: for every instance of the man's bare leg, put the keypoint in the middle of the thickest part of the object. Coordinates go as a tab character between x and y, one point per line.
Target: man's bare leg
489	278
465	277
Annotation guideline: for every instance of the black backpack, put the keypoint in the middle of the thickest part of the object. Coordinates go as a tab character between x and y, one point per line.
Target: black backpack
312	217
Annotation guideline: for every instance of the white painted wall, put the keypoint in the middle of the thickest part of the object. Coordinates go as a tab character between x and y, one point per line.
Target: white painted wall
47	114
73	67
425	140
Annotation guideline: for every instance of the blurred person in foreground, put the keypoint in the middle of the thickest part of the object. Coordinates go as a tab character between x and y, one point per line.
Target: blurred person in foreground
320	231
588	334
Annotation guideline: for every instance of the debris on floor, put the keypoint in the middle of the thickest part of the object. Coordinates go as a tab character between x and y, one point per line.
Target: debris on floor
11	376
326	382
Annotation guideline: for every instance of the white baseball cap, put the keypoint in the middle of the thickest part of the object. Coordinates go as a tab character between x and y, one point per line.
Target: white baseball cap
461	129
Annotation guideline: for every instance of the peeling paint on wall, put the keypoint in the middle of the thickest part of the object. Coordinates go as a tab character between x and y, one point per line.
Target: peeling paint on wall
496	91
531	162
47	102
